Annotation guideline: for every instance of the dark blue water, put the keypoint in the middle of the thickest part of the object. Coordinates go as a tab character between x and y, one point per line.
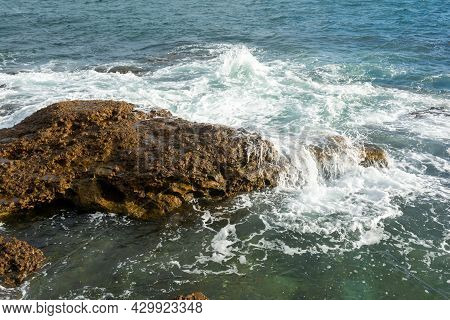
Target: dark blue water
410	35
373	71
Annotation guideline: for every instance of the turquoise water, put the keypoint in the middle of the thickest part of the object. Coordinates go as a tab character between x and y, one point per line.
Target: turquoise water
374	71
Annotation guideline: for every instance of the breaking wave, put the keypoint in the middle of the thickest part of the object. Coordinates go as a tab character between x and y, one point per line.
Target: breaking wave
316	210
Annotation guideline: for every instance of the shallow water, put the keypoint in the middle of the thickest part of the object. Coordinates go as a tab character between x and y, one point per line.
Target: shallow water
374	71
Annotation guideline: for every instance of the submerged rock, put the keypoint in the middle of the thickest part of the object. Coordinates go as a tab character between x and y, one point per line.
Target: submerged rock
105	155
18	259
193	296
433	111
120	69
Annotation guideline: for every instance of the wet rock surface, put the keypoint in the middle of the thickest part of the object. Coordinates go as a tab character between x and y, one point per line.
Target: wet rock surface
192	296
18	260
120	69
433	111
332	147
106	155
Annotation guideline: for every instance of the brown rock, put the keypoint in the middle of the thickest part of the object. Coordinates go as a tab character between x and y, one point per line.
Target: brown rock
332	147
192	296
18	259
105	155
373	156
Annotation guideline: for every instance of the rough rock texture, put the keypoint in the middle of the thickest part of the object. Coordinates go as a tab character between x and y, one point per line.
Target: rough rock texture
332	147
192	296
105	155
17	260
373	155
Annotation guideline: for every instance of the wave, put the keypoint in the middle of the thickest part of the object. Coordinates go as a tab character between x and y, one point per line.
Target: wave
233	87
239	63
288	101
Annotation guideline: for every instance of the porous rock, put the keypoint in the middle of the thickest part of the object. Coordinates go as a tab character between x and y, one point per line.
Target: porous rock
331	147
106	155
18	260
192	296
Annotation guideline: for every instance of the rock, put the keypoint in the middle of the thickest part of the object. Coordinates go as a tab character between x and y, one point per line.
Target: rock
373	156
333	148
18	259
433	111
120	69
104	155
2	85
192	296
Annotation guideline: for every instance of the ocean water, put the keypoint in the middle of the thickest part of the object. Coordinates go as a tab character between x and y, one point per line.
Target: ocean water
373	71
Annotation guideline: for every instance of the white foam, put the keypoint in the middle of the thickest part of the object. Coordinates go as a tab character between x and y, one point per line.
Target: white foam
235	88
239	62
242	260
222	243
370	237
287	101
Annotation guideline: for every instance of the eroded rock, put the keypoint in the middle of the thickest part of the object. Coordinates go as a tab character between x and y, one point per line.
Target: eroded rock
105	155
18	260
192	296
373	155
338	148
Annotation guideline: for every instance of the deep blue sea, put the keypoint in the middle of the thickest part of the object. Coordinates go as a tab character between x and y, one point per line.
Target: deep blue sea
372	71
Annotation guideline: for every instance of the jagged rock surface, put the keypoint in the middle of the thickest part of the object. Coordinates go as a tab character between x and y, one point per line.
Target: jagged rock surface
338	146
18	259
192	296
106	155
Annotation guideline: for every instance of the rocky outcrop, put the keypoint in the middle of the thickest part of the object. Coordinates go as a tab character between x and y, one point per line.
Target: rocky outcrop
331	147
106	155
192	296
18	259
